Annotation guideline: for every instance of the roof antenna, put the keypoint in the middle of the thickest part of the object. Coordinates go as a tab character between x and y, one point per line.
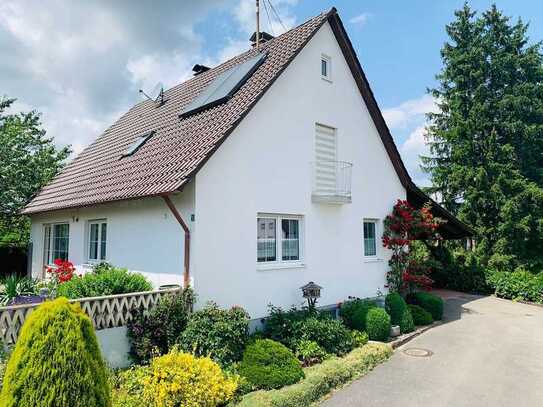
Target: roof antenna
258	25
157	95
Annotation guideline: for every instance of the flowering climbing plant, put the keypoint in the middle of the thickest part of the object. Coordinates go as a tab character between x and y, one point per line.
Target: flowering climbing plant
402	227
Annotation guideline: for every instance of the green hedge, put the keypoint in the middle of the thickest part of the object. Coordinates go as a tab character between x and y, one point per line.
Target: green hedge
518	285
108	281
407	323
395	307
321	379
430	302
420	315
354	312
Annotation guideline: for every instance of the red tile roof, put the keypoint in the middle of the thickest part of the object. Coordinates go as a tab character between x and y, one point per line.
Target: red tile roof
179	147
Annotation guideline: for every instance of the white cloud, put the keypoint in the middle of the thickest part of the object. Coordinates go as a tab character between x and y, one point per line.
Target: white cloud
409	112
411	150
360	20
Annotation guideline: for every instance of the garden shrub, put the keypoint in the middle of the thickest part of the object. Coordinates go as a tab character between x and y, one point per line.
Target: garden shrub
420	315
430	302
176	379
321	379
354	312
281	325
407	324
154	333
309	352
56	361
328	333
518	285
217	333
359	338
395	306
378	324
106	282
268	364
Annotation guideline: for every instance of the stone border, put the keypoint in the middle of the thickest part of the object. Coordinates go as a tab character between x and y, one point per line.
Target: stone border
402	339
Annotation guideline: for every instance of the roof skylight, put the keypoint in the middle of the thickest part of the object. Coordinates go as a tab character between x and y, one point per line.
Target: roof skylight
223	86
137	144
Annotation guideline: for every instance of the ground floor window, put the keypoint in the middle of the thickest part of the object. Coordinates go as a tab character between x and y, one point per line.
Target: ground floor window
278	238
97	240
57	237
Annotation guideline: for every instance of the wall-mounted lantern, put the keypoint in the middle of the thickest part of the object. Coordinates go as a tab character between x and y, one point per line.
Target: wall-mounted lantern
312	293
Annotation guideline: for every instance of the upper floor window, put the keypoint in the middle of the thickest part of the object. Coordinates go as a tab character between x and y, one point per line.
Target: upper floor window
370	241
56	242
326	67
278	239
97	240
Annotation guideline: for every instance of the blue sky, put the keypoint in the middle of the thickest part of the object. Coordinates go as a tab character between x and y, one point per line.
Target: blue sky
81	63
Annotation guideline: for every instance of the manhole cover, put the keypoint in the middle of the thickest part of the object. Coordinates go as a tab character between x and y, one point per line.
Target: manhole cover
418	352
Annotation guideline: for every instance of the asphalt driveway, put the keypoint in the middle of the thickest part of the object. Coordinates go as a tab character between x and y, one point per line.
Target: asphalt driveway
488	352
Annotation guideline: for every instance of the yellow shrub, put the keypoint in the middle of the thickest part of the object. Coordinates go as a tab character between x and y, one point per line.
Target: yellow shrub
180	379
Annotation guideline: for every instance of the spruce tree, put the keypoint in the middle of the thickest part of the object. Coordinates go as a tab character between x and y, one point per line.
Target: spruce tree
486	142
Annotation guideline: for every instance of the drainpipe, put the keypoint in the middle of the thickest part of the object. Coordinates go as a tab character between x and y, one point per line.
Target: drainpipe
175	212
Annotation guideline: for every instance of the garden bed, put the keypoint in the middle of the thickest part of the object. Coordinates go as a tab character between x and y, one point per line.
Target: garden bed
321	379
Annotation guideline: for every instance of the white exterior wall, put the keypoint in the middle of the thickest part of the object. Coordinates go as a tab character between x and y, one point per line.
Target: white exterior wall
264	167
142	235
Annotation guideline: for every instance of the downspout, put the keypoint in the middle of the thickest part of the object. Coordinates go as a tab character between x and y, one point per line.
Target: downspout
177	215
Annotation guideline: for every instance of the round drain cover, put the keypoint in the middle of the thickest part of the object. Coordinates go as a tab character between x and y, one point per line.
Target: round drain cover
418	352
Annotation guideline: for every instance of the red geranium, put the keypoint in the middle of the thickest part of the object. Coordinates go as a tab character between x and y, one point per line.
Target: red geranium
63	270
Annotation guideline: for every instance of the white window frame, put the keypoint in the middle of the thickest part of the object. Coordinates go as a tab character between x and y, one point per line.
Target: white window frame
279	263
328	60
98	259
48	250
376	224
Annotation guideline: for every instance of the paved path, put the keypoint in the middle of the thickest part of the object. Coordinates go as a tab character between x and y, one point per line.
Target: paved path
488	352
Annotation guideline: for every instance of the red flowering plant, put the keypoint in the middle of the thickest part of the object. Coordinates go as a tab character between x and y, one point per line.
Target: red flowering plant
62	271
402	227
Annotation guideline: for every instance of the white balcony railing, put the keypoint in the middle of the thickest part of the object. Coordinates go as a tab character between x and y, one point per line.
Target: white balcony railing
331	181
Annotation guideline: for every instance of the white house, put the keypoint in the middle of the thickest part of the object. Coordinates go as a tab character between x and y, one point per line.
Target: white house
249	180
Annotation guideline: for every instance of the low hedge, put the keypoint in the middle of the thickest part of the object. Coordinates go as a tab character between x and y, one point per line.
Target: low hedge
321	379
354	313
430	302
378	324
420	315
518	285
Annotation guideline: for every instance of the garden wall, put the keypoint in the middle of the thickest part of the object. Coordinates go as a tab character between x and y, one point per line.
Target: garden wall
109	314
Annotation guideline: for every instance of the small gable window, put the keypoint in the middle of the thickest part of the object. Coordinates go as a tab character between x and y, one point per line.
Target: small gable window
326	67
135	146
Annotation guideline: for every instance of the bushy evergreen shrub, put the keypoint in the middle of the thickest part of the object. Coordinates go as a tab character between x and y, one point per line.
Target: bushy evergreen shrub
518	285
395	306
107	281
430	302
217	333
268	365
354	312
175	379
282	326
359	338
407	324
309	352
328	333
378	324
420	315
154	333
56	361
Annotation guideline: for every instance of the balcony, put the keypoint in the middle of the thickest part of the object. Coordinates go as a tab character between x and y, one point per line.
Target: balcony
331	182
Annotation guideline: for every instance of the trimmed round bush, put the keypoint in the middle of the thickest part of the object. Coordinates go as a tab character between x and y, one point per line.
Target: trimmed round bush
354	313
395	306
407	324
431	303
328	333
56	361
270	365
378	324
420	315
218	333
